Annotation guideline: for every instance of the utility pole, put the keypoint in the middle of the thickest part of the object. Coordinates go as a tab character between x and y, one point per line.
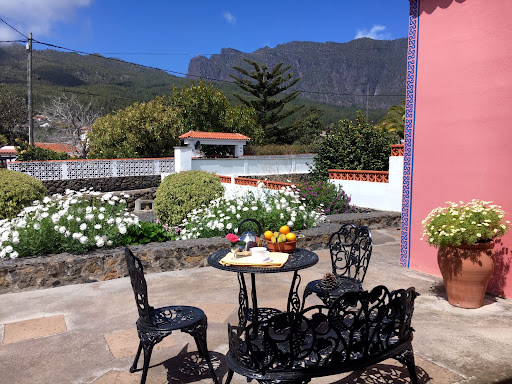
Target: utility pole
29	92
367	99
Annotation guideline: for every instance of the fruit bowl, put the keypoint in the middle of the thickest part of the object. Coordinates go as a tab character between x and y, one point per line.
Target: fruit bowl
287	247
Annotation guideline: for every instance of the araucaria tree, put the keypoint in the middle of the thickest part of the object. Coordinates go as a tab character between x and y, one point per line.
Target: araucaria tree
265	86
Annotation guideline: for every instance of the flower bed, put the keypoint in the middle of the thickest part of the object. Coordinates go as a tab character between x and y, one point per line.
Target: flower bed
29	273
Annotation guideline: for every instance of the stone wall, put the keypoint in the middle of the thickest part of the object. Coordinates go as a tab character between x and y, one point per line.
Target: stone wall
106	184
56	270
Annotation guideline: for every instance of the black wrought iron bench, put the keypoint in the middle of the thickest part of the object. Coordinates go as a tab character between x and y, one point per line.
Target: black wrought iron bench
356	331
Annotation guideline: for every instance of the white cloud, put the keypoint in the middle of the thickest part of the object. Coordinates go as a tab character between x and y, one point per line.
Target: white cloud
377	33
229	17
8	34
37	16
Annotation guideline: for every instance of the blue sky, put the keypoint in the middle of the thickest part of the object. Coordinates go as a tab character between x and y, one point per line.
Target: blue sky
175	31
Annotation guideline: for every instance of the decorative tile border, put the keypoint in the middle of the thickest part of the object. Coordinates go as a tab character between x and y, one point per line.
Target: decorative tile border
372	176
410	104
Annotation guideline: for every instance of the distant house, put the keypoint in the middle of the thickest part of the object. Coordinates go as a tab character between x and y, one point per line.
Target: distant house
195	139
8	152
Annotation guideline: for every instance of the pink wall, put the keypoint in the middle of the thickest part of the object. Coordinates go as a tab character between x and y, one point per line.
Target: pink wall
463	118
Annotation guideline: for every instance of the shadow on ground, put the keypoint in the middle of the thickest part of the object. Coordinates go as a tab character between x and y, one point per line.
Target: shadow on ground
189	367
383	373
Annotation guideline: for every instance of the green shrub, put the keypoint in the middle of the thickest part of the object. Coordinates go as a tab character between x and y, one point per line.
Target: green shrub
146	233
181	193
353	145
277	149
324	197
17	191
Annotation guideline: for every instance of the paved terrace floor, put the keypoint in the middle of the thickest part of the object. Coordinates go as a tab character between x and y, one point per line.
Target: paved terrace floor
86	333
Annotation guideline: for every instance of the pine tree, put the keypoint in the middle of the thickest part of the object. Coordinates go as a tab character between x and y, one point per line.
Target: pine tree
265	85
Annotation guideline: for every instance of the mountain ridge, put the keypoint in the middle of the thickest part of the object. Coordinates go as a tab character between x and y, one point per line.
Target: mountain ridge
334	73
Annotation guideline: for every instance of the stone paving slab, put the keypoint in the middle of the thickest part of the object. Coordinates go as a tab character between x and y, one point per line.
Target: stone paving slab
125	343
35	328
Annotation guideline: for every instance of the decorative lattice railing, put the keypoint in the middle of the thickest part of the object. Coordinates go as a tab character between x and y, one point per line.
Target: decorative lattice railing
397	150
90	169
373	176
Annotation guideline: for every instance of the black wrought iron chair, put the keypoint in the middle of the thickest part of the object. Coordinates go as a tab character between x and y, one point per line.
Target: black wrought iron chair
156	323
350	249
356	331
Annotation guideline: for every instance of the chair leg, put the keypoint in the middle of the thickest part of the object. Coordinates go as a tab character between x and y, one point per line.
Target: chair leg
230	376
407	358
133	368
198	332
148	349
147	342
306	293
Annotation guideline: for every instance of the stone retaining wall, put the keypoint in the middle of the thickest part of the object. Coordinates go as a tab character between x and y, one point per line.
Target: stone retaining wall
106	184
63	269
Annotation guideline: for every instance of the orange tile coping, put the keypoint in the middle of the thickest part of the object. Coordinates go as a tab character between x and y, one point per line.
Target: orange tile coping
397	150
373	176
34	328
224	179
254	182
214	135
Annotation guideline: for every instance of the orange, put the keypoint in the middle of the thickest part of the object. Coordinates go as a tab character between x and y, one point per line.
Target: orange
268	235
284	229
291	236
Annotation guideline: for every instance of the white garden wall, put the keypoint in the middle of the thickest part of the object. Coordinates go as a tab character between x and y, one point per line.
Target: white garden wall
255	165
377	195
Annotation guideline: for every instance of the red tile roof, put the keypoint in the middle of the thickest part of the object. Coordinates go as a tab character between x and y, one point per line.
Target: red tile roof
214	135
59	147
8	150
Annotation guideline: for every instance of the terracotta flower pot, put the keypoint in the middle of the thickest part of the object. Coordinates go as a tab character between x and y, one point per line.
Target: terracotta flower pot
466	271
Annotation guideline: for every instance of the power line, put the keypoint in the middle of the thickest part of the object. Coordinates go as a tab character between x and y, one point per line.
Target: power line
242	53
5	22
13	41
199	76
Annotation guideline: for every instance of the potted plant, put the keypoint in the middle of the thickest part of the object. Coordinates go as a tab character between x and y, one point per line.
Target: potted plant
464	234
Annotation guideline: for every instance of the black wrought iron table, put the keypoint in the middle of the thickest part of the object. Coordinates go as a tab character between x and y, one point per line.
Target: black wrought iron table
300	259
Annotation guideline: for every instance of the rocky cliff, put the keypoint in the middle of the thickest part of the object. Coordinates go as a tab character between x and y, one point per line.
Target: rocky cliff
336	73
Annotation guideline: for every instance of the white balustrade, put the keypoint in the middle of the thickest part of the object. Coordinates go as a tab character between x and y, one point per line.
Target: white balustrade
90	169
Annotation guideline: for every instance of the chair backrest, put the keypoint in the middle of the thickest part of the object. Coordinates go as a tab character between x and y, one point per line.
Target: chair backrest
357	326
351	250
140	288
